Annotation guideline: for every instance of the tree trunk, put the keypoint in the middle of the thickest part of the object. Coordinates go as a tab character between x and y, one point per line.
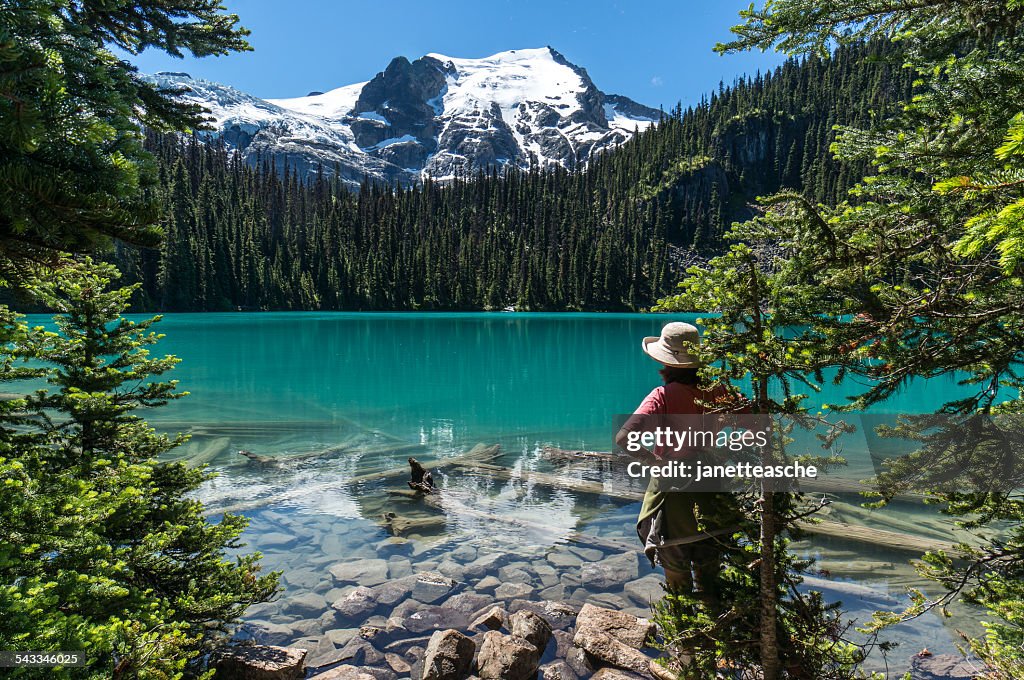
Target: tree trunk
770	666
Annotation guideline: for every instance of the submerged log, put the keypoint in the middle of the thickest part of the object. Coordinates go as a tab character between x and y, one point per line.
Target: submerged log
421	480
208	453
480	452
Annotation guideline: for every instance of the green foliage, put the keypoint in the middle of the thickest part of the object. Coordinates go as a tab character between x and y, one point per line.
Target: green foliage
608	237
919	273
102	549
769	625
72	168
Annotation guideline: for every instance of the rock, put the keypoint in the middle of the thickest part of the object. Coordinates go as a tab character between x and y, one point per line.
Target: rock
306	605
452	570
606	600
449	656
610	572
557	670
392	592
394	545
513	573
604	647
555	592
357	605
563	643
625	628
263	610
267	633
320	654
559	615
370	632
434	618
493	619
277	540
488	583
941	667
645	590
430	587
563	560
260	662
614	674
468	603
399	567
579	662
345	673
586	554
309	627
367	572
504	657
360	652
307	579
531	627
341	636
397	663
508	591
465	553
486	563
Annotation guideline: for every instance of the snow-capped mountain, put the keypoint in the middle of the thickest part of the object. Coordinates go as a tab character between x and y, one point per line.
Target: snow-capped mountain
436	116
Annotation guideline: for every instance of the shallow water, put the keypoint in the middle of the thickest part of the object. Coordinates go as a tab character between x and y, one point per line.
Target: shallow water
332	398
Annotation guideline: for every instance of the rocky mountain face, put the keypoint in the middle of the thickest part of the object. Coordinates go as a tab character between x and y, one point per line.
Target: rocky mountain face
435	117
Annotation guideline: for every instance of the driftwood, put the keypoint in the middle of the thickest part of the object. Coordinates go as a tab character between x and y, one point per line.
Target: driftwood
420	479
399	525
287	460
209	452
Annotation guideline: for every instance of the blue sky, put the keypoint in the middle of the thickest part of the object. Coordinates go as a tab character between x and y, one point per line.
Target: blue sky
657	53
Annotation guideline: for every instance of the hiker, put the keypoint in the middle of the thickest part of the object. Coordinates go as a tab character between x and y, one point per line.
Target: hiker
669	513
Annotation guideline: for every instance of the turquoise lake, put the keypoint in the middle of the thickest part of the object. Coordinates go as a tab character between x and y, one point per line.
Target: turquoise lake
329	403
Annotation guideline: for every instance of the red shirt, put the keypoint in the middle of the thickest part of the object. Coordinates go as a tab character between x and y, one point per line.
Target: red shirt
674	399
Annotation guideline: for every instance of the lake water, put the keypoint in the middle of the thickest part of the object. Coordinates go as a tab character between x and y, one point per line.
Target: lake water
331	399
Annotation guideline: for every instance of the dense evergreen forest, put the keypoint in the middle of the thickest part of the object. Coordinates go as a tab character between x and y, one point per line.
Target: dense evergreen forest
614	236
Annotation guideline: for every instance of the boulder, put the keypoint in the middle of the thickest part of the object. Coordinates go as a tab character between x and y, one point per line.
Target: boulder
345	673
397	663
260	662
645	590
488	583
531	627
392	592
614	674
507	591
429	587
493	619
941	667
449	656
607	649
365	572
557	670
278	540
267	633
610	572
625	628
468	603
434	618
504	657
579	661
357	605
559	615
305	605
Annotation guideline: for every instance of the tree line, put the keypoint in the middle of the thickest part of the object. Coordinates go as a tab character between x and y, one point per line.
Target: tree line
614	236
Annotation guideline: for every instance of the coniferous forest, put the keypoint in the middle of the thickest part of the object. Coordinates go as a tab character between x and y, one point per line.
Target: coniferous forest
615	236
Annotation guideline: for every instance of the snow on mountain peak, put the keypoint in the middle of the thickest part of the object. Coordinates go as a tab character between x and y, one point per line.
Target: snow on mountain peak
437	116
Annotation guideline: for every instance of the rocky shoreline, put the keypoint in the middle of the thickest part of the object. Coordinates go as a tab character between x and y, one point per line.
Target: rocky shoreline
523	640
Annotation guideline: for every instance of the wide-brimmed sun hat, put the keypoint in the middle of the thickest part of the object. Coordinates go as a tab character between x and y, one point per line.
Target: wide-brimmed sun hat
672	347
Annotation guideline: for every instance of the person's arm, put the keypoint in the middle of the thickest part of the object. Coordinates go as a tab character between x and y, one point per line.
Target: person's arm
653	404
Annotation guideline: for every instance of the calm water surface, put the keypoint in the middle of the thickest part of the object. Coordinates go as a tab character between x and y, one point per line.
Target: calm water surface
337	396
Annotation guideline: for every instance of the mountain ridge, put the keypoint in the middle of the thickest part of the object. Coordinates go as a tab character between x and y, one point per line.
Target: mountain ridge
434	117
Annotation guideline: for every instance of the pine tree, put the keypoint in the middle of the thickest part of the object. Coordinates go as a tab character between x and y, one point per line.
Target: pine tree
105	552
73	172
919	273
